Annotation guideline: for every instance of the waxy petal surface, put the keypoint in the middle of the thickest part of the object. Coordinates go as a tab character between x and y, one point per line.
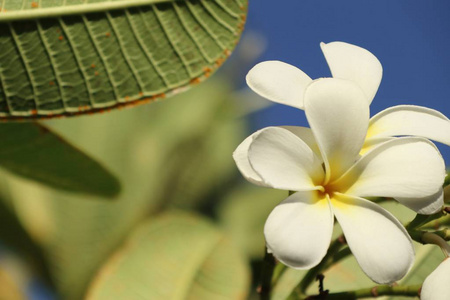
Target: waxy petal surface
436	285
354	63
306	135
425	205
379	242
240	156
410	120
279	82
284	161
339	118
406	167
298	231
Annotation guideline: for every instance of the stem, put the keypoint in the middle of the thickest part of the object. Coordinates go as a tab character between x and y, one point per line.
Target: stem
376	291
266	276
420	220
433	238
327	261
436	224
278	272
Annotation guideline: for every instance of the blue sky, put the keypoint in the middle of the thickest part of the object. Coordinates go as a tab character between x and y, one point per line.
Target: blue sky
411	38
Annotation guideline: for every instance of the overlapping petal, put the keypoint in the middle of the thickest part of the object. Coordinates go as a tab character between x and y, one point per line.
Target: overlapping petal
410	120
284	161
298	231
380	243
436	285
406	167
338	116
240	156
424	205
279	82
354	63
306	135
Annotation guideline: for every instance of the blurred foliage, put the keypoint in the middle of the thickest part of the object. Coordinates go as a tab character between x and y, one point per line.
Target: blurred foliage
34	152
163	154
8	288
174	256
243	213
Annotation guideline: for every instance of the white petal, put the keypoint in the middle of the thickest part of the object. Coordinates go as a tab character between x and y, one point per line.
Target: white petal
410	120
240	156
425	205
306	135
279	82
436	285
401	168
354	63
369	144
284	161
380	243
339	121
298	231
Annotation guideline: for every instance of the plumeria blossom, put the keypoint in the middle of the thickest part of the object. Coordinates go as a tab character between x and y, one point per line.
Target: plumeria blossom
286	84
330	179
435	286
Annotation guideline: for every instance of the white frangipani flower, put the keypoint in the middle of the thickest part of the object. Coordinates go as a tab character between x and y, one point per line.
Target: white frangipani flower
330	178
286	84
435	286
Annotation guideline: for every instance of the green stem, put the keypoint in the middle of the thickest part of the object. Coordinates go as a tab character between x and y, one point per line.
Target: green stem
377	291
278	272
436	224
438	238
420	220
311	275
266	276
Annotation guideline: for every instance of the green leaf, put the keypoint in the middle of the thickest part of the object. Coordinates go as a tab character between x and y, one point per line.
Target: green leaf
33	151
74	57
175	256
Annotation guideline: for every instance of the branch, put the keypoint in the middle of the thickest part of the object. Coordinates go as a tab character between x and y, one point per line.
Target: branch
266	276
377	291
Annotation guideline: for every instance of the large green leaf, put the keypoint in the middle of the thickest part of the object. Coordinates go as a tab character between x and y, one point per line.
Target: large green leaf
34	152
73	57
139	145
176	256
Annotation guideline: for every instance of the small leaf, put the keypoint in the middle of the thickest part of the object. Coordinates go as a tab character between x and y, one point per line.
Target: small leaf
32	151
76	57
175	256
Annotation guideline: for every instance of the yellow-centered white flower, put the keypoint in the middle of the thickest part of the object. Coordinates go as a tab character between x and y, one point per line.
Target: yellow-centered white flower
286	84
435	286
330	178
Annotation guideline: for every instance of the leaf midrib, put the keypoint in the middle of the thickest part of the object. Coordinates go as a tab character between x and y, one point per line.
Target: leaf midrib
78	9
